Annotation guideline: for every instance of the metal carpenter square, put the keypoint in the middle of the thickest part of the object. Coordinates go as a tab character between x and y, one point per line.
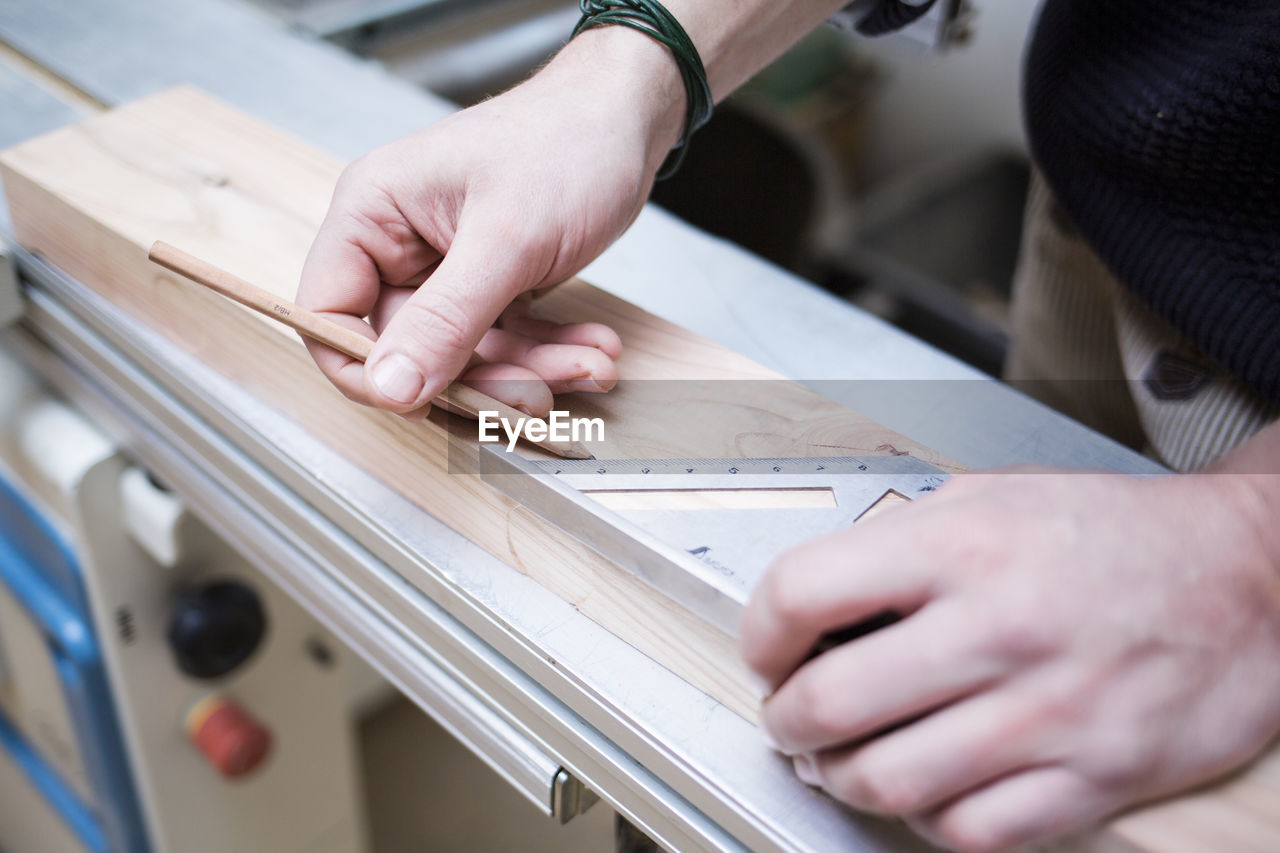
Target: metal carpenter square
707	560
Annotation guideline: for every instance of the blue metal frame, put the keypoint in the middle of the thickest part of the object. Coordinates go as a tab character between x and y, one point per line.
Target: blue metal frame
40	569
74	813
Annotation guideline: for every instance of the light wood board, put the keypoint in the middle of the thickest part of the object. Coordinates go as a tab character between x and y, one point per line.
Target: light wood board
184	168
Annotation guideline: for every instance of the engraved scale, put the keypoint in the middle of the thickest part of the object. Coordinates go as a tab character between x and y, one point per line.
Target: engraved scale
705	559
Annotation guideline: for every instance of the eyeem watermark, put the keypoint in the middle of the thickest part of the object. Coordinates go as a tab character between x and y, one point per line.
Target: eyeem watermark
559	427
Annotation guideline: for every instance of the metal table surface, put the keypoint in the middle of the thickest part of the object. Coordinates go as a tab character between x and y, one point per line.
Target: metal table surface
511	668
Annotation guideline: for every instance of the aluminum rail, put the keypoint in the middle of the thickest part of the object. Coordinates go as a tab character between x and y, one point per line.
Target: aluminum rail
283	553
676	765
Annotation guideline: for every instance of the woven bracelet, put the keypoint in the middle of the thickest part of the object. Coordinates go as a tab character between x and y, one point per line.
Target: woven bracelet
652	19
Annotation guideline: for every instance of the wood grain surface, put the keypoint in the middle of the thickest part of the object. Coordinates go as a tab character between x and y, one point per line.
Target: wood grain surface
184	168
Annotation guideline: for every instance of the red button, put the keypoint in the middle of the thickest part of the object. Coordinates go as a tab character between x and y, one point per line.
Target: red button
232	740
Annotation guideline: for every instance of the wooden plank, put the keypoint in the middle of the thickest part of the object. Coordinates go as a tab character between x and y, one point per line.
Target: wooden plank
184	168
187	169
1240	814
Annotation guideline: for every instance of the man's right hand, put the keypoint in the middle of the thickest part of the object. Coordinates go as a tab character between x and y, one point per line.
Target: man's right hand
431	243
432	238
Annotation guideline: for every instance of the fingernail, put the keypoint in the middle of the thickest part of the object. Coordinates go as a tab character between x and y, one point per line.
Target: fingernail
758	685
806	771
398	378
526	410
586	384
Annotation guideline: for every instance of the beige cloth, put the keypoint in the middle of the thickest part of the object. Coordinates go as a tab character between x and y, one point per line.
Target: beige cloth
1084	345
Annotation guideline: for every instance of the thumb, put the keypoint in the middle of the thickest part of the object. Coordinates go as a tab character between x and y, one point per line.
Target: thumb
431	337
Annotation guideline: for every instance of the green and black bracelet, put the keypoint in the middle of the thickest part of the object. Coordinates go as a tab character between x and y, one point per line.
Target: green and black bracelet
652	19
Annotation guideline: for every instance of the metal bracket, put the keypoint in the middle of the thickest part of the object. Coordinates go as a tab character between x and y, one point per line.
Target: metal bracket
569	797
12	306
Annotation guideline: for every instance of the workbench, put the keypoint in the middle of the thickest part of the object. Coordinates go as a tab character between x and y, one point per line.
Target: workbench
544	695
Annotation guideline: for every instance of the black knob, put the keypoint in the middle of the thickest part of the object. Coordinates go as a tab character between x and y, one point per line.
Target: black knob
215	627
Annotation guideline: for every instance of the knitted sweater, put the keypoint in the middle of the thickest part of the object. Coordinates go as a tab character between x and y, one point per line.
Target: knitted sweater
1157	124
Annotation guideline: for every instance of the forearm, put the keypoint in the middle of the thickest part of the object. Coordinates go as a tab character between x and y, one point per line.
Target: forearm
734	38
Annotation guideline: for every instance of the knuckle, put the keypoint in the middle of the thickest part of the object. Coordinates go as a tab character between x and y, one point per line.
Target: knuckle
826	715
1119	761
352	394
360	169
960	827
355	174
440	324
593	361
532	256
884	790
787	596
972	539
753	646
1020	633
969	837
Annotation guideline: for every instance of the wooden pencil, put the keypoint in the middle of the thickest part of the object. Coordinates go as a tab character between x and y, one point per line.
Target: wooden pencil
457	397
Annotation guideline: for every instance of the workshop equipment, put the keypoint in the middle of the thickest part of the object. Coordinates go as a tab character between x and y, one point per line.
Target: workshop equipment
935	253
58	720
157	692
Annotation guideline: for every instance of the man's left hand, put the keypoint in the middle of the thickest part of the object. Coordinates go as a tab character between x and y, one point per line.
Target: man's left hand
1070	644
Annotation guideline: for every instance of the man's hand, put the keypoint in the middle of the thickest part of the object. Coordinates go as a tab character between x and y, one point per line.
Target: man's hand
1071	644
433	237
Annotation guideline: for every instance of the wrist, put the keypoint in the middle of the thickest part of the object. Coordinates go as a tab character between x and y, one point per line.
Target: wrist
1252	472
632	72
1254	500
1260	503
